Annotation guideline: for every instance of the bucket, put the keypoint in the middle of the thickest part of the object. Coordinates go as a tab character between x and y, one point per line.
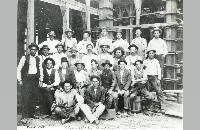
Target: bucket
137	104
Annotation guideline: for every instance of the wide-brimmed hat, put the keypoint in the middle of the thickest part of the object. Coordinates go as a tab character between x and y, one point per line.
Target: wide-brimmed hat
119	48
79	61
33	45
64	59
106	62
69	30
90	44
151	50
156	29
118	31
45	47
104	45
103	28
52	33
95	76
51	59
59	44
141	62
122	60
133	45
136	28
73	49
87	31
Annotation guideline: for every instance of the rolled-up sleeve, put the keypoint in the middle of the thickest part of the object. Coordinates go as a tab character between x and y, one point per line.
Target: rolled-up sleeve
57	79
19	68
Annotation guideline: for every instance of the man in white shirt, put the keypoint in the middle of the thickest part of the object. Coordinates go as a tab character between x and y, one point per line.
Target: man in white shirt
73	57
81	47
57	56
153	71
120	42
29	74
88	57
160	46
51	42
140	42
69	41
103	40
133	56
81	77
45	54
50	82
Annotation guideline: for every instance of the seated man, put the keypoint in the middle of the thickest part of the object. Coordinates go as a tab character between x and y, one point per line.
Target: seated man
67	102
121	85
50	81
94	70
81	77
107	78
95	98
139	83
118	54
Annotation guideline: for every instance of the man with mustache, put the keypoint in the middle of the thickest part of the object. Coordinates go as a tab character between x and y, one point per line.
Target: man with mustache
73	58
118	54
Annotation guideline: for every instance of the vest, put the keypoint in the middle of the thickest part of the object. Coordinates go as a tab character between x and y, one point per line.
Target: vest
106	78
25	68
138	74
49	79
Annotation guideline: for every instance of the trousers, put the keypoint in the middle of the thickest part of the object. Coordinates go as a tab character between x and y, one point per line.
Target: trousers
116	95
47	96
161	60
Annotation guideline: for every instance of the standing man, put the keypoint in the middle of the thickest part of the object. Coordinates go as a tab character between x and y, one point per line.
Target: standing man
89	56
153	71
73	57
29	75
140	42
81	47
69	41
104	55
50	82
121	86
57	56
51	42
95	97
120	42
118	54
103	40
160	46
133	56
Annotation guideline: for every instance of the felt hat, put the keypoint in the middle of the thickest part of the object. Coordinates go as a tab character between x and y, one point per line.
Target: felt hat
133	45
73	49
118	31
106	62
151	50
52	33
64	59
122	60
69	30
51	59
86	31
141	62
104	45
33	45
79	61
59	44
45	47
94	76
119	48
156	29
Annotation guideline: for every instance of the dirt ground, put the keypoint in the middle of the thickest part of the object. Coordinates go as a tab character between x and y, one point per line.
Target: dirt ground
137	121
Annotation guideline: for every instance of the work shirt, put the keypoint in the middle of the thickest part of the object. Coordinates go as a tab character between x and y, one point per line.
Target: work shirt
57	58
87	60
152	67
57	78
103	41
81	46
120	43
121	74
94	72
141	43
138	74
159	45
51	45
131	60
32	67
69	43
81	76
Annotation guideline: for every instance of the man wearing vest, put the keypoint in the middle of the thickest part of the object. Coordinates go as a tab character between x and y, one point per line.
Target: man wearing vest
50	81
28	75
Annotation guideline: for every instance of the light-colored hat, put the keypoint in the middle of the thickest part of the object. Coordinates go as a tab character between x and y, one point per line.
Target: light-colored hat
69	30
156	29
52	33
79	61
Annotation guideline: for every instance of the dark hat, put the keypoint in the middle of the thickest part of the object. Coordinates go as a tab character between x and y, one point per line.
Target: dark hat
103	28
156	29
90	44
59	44
51	59
94	76
133	45
64	59
106	62
86	31
93	60
136	28
33	45
122	60
79	61
45	47
151	50
118	31
66	81
119	48
104	45
69	30
141	62
52	33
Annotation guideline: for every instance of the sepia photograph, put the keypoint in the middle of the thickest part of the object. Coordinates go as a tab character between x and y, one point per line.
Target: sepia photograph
100	64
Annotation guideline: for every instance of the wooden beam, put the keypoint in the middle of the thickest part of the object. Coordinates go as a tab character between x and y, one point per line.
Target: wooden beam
88	16
72	4
30	24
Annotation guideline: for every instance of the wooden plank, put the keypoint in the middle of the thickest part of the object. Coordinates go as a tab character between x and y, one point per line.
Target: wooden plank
72	4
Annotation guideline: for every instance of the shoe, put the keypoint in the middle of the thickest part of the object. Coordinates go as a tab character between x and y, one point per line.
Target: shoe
63	121
130	113
86	120
24	121
96	122
79	118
